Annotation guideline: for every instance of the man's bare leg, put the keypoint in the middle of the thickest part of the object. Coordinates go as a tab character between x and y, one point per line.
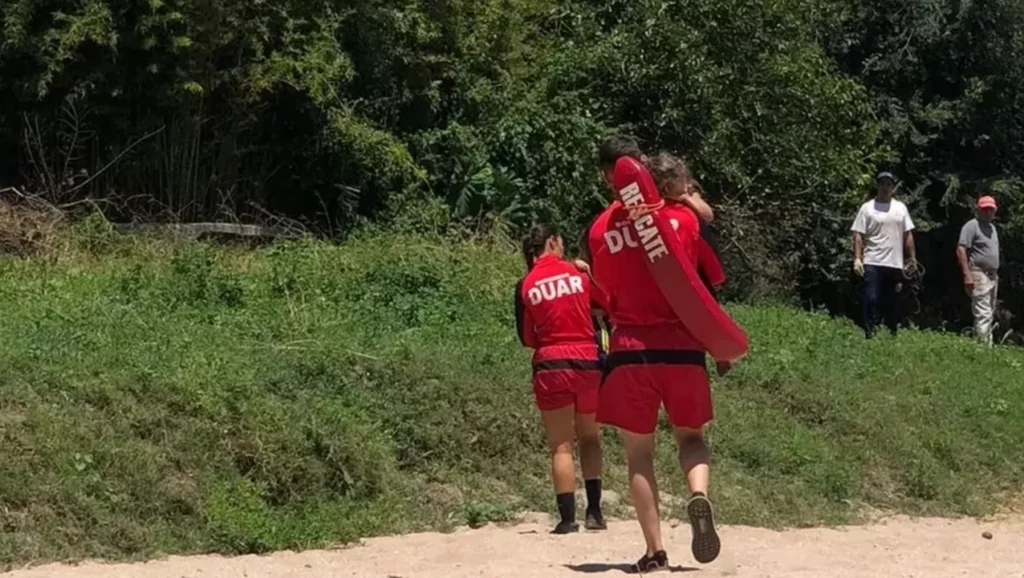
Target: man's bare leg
694	460
643	487
588	435
559	427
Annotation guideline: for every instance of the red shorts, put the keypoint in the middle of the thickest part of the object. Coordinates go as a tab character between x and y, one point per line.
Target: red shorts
651	366
565	375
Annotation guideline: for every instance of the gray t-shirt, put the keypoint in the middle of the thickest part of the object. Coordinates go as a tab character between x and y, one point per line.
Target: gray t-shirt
982	244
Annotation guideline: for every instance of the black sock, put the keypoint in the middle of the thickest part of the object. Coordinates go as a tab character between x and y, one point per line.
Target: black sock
593	495
567	507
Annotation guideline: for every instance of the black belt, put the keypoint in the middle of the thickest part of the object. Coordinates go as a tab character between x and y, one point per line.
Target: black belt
567	364
654	357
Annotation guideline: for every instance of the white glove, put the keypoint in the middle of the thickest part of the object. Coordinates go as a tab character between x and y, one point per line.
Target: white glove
858	267
911	267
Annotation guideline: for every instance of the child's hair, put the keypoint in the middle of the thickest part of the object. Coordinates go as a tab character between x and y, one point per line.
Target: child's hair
666	168
534	241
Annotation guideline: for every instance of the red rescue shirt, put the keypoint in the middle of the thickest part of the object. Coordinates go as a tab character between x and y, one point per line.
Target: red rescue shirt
709	265
553	304
619	267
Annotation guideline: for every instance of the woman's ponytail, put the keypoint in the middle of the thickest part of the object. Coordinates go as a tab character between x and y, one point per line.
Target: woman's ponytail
534	242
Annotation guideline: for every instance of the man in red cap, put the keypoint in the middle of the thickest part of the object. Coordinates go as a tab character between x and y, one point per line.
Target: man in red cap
978	253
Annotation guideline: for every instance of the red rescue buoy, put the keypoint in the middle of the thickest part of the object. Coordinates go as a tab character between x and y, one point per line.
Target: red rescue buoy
677	278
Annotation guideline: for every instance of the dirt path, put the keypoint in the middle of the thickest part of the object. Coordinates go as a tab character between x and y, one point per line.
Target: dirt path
897	548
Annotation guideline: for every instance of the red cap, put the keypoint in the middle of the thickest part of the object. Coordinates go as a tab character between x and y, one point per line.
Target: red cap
987	202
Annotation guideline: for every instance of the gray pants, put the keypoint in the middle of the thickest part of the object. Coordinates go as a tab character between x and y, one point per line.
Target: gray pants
983	303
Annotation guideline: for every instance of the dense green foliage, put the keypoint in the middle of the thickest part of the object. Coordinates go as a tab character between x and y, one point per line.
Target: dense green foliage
335	111
165	398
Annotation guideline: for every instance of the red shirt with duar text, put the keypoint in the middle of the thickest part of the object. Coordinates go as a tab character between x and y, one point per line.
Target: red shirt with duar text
554	303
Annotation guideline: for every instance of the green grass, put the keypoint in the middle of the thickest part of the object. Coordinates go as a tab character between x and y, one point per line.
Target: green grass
159	398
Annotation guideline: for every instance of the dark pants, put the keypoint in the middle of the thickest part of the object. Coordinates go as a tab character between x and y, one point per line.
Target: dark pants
880	291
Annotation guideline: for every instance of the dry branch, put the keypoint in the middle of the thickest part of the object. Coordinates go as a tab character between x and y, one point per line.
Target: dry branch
193	231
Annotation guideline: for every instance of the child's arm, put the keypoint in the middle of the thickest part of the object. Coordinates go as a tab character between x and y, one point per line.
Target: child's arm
696	202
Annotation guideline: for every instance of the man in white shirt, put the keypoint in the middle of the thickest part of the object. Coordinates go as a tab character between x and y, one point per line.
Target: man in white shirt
882	235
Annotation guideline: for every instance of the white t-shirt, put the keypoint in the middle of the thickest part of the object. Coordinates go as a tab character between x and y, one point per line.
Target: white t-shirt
883	226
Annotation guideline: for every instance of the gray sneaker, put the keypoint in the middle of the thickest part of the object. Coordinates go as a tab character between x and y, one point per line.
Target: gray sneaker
706	545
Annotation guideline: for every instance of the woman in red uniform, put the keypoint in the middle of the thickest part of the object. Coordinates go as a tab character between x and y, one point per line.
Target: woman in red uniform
553	304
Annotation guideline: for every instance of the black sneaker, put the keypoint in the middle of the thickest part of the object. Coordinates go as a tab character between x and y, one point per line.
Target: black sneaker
566	528
595	521
657	562
706	545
